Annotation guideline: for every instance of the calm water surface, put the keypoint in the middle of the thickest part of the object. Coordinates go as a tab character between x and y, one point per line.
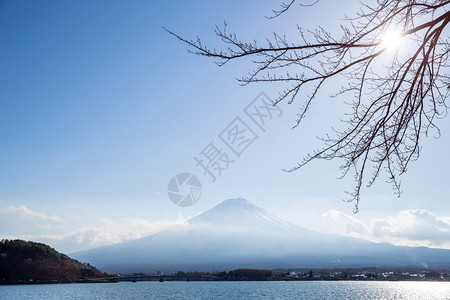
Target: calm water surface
232	290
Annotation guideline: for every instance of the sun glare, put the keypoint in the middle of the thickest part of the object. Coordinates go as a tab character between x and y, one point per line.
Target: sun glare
391	40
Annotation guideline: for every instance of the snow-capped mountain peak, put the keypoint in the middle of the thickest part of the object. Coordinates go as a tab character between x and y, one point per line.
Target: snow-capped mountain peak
241	213
237	234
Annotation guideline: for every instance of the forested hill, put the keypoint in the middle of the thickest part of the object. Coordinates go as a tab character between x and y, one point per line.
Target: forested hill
22	261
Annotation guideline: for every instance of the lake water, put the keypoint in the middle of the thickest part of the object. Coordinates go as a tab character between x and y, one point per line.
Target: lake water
232	290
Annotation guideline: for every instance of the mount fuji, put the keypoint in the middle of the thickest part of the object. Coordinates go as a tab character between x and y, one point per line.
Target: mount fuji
237	234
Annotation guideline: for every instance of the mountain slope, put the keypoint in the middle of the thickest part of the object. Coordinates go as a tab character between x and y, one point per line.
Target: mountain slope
237	234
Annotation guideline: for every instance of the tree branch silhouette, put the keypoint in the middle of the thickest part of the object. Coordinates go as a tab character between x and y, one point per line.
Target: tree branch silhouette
393	103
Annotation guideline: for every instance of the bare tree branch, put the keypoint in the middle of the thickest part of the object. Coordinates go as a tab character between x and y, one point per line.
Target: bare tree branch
393	104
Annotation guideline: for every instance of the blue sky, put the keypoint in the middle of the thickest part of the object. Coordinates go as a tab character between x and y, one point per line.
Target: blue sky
100	108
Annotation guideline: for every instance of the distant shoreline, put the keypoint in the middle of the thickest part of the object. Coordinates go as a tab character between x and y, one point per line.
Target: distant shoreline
30	282
170	279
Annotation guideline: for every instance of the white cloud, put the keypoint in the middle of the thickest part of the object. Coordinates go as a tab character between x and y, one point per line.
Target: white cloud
348	224
414	227
109	232
414	224
26	213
